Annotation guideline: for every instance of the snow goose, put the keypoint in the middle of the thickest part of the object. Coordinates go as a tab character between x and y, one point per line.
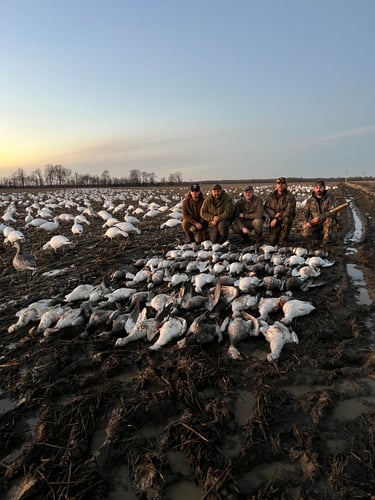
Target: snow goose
295	308
115	232
141	328
277	335
172	328
50	226
32	312
238	329
58	241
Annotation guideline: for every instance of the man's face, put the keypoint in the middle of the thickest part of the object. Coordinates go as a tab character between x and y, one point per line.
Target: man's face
216	193
195	195
281	186
248	195
318	190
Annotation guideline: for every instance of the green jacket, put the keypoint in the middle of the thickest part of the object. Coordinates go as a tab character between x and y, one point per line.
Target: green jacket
223	207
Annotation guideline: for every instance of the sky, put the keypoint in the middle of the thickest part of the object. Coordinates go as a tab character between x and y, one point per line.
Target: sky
211	89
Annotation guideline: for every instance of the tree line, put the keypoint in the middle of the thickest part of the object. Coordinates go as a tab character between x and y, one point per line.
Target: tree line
60	176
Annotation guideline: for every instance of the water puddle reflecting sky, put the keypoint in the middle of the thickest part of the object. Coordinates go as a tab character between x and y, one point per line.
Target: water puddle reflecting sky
353	238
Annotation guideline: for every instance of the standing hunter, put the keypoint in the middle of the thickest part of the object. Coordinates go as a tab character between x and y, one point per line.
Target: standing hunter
319	224
280	206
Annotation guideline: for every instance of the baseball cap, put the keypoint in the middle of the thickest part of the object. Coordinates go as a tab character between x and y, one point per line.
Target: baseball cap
195	187
280	180
217	186
248	188
320	183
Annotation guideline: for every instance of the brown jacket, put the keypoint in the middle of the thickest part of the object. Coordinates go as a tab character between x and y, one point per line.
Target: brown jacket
191	210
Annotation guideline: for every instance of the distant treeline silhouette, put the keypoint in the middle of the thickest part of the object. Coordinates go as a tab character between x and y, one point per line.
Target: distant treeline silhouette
62	177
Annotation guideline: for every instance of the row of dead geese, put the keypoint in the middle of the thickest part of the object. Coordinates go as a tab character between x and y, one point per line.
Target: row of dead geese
194	293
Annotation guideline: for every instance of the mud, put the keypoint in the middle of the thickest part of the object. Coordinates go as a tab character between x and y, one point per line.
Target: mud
80	419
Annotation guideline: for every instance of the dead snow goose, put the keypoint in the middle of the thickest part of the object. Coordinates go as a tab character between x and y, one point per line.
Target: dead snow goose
80	292
295	308
238	329
173	328
277	335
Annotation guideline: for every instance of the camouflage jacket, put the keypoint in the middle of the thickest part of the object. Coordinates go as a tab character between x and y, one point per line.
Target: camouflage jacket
284	203
318	208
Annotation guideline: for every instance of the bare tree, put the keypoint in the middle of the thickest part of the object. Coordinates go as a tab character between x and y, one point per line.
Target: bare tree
62	174
135	177
20	177
49	174
106	179
36	177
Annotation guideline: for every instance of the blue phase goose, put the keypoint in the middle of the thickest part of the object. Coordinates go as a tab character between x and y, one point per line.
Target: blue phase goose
23	261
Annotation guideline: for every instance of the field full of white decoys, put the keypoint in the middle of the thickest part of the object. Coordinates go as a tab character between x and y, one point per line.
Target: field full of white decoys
250	286
135	365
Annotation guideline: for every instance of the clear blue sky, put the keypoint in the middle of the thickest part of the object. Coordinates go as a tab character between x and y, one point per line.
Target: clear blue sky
213	89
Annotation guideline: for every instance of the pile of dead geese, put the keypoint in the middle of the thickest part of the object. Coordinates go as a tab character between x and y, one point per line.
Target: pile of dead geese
192	294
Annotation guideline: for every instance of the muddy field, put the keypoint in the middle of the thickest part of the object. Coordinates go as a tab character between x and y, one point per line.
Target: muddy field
81	419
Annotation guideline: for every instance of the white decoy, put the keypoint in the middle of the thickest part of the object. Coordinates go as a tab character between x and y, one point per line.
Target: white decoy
110	222
131	219
23	262
76	228
50	226
128	227
13	236
58	241
173	328
103	214
115	232
152	213
81	219
170	223
277	335
36	222
295	308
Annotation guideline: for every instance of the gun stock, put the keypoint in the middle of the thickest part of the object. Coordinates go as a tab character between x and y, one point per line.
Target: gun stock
337	209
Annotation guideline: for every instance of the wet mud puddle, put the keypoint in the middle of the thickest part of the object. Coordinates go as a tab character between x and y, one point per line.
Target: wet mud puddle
351	240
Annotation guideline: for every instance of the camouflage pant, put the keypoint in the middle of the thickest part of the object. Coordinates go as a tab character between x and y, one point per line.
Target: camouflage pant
280	233
219	232
326	231
198	235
